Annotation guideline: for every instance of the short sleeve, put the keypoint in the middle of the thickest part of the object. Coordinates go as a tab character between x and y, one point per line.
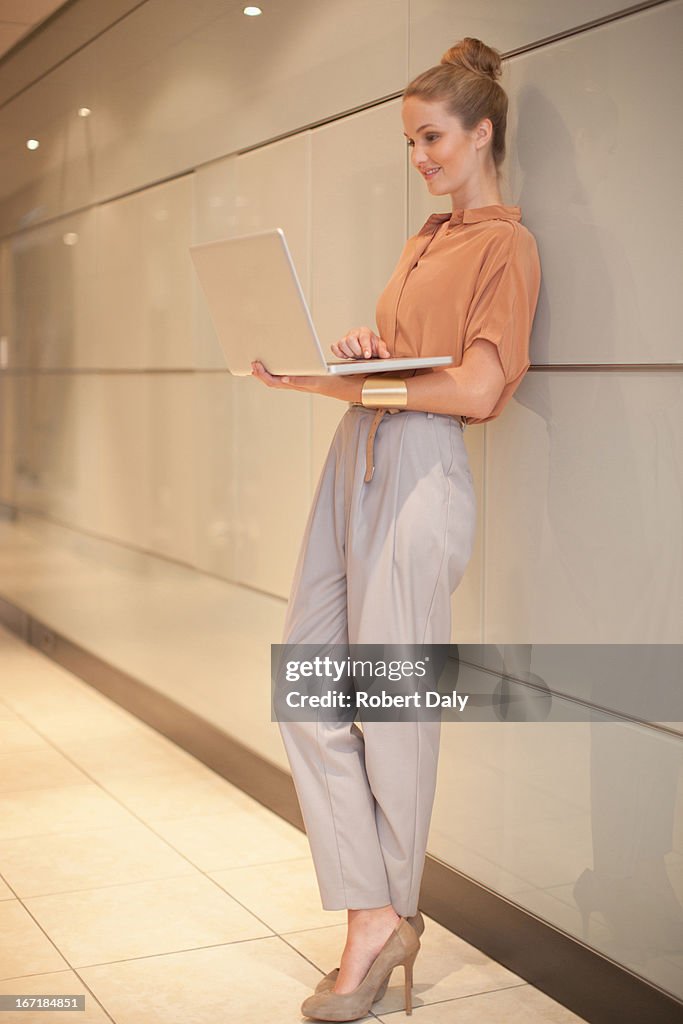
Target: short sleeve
504	301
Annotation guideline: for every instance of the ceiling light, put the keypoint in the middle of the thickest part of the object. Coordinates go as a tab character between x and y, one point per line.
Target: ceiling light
84	111
32	144
252	11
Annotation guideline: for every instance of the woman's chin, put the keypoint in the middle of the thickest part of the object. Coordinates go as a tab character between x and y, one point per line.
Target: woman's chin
433	185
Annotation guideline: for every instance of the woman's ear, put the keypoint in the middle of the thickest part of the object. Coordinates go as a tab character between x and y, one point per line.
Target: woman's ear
483	132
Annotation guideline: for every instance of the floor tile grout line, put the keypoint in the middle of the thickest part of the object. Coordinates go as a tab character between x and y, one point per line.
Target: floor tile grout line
314	928
70	966
138	821
99	888
42	974
157	956
469	995
300	953
85	985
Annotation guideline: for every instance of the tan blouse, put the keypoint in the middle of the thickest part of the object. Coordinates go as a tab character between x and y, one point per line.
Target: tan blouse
466	275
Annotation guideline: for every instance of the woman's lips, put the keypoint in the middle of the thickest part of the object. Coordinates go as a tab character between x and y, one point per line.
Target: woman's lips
428	176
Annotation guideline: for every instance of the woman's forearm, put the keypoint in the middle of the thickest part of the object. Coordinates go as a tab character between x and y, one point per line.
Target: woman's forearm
346	387
450	392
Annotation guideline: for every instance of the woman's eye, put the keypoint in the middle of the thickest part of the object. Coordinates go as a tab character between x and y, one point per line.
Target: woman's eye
429	138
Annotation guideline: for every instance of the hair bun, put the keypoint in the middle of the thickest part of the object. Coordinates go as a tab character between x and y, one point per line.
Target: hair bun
476	57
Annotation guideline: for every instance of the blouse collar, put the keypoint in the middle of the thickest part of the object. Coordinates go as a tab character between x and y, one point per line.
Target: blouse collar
496	212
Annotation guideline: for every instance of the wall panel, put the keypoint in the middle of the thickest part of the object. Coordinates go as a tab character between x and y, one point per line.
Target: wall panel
59	176
436	25
144	283
587	470
74	27
217	529
52	299
595	167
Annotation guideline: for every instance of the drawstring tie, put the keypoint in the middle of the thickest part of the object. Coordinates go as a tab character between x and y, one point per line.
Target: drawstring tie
369	448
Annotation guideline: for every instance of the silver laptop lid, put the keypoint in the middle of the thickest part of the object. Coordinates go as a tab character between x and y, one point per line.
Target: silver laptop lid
257	305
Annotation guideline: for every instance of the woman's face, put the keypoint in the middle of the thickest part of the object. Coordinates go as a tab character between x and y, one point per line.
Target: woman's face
440	145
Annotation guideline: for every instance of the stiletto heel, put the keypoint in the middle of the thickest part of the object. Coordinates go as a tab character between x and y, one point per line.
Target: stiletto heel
641	911
584	896
408	984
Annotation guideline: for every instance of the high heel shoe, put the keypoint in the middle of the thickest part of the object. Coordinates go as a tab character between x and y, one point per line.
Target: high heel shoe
642	913
400	948
326	983
585	899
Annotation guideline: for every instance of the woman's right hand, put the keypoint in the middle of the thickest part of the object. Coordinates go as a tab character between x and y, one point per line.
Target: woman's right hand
361	343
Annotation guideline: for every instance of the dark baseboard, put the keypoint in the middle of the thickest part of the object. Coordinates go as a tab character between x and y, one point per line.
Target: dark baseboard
568	971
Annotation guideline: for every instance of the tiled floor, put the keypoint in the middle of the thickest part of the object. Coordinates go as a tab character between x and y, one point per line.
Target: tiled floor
132	873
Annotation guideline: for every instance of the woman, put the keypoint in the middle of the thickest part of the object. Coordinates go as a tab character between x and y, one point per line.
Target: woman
392	525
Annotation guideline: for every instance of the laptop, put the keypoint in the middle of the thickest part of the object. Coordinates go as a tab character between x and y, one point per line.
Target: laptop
259	311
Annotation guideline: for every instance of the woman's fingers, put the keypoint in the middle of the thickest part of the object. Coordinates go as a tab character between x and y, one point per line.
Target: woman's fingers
367	339
288	383
361	343
346	348
351	345
259	370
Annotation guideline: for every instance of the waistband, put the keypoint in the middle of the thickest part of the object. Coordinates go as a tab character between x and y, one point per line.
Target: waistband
376	420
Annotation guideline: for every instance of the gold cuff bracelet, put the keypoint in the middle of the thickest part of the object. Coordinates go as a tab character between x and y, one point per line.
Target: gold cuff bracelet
384	393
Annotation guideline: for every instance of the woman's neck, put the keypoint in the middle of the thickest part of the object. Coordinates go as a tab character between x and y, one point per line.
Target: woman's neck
482	193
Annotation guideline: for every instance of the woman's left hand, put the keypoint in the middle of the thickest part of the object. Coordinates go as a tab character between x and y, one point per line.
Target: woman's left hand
333	387
293	383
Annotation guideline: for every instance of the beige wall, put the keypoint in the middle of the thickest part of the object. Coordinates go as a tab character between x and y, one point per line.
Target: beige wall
152	445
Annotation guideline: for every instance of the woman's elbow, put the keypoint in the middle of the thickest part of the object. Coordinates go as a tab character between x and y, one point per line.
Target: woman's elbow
480	400
488	401
482	375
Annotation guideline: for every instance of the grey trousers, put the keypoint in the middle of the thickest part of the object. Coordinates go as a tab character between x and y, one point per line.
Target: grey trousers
378	563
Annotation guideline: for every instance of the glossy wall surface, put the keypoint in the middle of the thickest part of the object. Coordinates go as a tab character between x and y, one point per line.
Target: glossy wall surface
119	422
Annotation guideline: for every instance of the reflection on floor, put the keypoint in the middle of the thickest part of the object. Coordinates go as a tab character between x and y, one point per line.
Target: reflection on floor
133	874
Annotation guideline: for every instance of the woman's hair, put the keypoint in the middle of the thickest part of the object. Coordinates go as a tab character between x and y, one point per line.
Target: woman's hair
465	80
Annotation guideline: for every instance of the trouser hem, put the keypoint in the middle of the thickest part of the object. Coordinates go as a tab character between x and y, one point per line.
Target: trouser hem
356	899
